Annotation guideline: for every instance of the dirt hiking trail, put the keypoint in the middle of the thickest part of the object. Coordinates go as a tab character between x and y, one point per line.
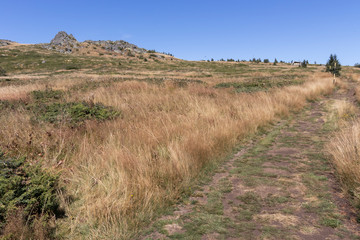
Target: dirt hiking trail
279	186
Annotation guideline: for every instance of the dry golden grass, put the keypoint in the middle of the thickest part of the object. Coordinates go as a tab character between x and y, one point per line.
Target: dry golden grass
121	172
128	168
344	148
344	110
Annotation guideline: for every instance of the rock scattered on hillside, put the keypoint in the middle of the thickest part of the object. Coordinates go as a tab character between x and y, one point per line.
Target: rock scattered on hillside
67	43
4	42
117	46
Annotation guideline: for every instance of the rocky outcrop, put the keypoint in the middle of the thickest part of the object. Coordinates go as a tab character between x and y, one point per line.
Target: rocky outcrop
4	42
63	42
67	43
117	46
64	39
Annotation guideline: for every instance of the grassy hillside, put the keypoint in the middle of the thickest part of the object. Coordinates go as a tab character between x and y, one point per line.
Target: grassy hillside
128	136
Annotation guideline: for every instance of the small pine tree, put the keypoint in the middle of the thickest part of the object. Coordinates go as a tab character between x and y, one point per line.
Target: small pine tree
333	65
303	64
275	61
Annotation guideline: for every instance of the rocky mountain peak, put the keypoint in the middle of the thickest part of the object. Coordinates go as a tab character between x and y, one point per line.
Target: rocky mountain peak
63	39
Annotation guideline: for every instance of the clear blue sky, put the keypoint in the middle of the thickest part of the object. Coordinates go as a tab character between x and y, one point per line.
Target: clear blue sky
195	30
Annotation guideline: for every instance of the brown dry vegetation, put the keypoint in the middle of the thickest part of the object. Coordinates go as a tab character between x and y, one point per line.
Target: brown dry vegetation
344	146
120	172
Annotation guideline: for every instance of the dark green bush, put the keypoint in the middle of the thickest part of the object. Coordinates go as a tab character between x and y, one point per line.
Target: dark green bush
73	112
27	187
72	67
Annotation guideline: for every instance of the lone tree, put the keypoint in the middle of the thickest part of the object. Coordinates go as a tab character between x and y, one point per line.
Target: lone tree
304	64
333	65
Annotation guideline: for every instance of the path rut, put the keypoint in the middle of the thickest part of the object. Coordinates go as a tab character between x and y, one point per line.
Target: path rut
280	186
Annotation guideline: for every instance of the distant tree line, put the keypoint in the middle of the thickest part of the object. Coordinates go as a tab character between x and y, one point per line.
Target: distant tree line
303	64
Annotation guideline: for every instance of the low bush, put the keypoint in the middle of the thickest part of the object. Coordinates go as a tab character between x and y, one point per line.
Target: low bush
73	112
72	67
27	192
46	95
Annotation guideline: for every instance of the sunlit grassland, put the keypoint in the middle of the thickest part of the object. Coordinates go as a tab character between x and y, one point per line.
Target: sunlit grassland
171	122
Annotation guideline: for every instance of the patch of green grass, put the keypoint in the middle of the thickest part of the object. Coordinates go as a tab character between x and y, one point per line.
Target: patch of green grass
273	201
47	95
245	215
214	204
225	186
263	83
203	223
330	222
272	232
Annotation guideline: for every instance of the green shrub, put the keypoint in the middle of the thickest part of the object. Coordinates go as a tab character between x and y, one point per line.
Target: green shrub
266	60
47	94
73	112
71	67
27	187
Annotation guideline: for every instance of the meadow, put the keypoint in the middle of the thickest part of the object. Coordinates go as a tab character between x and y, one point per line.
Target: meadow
125	138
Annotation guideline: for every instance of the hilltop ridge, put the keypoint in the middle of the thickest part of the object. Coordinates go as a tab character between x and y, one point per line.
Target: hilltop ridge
67	43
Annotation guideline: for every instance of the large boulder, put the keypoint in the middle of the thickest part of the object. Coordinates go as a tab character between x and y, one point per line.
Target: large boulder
63	39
